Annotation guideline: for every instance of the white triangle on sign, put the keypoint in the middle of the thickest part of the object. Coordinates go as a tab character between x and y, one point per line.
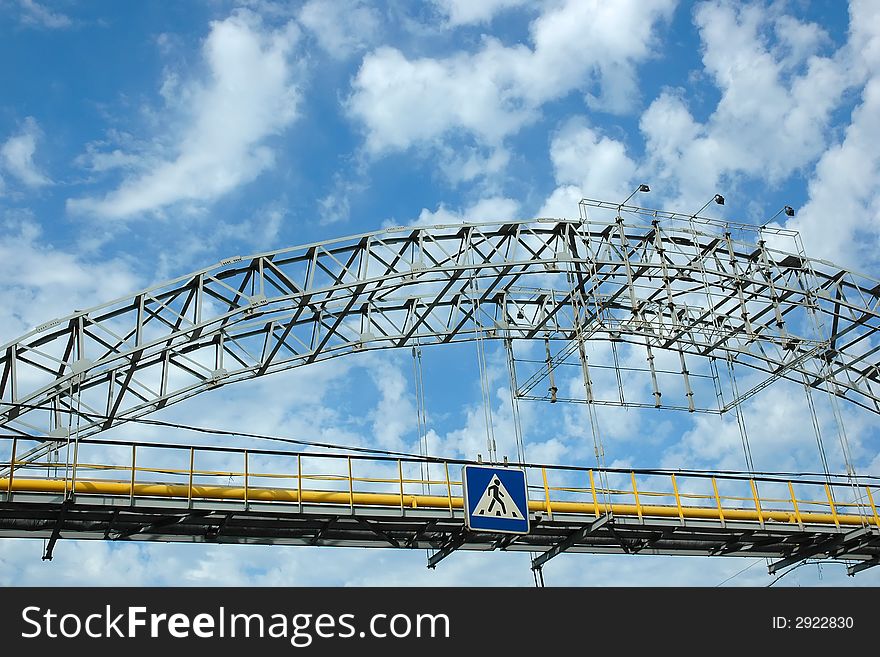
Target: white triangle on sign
495	502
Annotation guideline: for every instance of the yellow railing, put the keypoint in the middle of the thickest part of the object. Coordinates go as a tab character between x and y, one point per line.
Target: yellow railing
152	470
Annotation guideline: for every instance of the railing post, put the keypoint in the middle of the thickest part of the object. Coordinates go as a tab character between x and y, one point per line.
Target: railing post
831	504
547	493
11	469
350	488
245	480
870	499
593	490
757	502
299	481
400	478
448	488
192	459
718	501
677	500
797	510
636	494
133	469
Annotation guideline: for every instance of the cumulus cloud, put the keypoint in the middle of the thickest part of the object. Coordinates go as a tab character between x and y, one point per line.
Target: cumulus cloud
586	163
841	219
777	99
41	282
777	441
17	155
463	164
493	92
248	96
394	416
493	208
341	28
779	90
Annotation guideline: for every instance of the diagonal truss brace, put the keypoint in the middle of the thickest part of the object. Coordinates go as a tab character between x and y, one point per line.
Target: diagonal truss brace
574	538
455	542
835	546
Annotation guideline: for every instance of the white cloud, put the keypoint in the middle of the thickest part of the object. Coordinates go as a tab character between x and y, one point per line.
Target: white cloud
773	119
586	163
466	12
463	164
495	91
341	28
209	240
100	161
471	439
248	96
780	434
864	41
394	416
33	13
494	208
41	282
17	155
562	202
775	107
336	205
402	102
841	219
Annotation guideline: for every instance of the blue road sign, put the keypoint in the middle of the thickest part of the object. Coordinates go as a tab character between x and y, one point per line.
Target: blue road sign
495	499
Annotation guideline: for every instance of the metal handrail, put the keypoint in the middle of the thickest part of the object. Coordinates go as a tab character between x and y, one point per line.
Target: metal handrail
349	488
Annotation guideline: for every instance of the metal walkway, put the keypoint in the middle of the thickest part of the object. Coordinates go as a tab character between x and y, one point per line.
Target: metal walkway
98	489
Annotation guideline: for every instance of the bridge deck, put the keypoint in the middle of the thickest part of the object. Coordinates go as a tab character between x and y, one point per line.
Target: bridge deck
163	492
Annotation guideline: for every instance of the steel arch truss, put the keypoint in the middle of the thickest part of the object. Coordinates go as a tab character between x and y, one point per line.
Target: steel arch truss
643	277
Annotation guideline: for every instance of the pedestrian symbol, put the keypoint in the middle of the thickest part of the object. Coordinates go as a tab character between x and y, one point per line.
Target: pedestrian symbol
495	499
496	502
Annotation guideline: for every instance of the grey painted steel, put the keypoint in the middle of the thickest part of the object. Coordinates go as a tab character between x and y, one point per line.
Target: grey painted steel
649	278
36	515
577	536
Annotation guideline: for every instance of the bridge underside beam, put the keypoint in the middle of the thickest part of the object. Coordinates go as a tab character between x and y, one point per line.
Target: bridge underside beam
577	536
230	523
862	565
837	546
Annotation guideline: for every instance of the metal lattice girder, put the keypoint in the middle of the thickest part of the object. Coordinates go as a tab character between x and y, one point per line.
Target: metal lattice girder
650	281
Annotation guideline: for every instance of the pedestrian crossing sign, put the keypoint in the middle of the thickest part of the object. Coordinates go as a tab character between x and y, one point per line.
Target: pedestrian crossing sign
495	499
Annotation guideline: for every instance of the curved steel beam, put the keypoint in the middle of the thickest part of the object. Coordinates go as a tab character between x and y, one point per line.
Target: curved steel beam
656	281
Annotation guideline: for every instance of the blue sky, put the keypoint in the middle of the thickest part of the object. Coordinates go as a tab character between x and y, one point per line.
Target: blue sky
140	141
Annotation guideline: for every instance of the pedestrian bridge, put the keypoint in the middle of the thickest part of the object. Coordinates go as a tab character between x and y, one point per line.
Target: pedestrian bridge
101	489
691	314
